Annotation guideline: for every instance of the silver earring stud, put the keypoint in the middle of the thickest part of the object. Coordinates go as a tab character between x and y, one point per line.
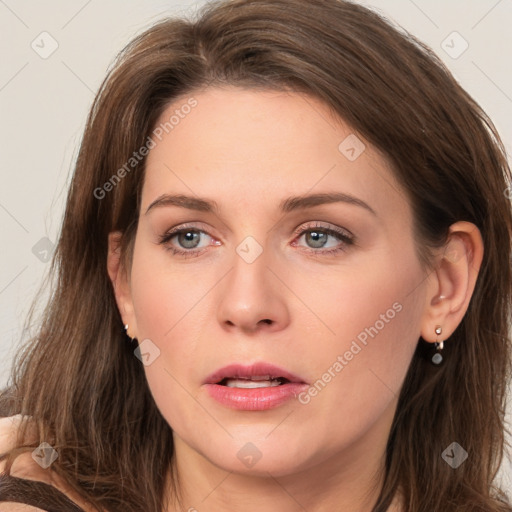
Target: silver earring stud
127	333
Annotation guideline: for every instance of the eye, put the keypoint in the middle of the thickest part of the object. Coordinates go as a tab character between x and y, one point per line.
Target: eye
187	240
317	236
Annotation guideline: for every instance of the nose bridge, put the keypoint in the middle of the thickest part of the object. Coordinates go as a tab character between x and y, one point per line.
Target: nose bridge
249	277
250	295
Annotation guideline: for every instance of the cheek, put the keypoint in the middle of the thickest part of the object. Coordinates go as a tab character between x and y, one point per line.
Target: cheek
373	317
164	293
374	288
169	308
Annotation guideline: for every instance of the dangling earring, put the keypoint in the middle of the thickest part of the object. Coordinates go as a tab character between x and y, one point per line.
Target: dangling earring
437	358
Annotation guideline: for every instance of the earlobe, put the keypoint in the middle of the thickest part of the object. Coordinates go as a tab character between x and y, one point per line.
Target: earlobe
454	281
119	279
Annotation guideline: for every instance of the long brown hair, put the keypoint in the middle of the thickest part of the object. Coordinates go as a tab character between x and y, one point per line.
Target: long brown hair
78	378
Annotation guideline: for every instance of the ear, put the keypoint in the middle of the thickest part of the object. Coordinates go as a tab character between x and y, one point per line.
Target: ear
453	281
121	283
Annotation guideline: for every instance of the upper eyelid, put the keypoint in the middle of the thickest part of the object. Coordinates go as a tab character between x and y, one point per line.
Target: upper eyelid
303	226
331	227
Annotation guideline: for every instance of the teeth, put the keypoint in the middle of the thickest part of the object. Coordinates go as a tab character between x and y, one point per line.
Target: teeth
251	384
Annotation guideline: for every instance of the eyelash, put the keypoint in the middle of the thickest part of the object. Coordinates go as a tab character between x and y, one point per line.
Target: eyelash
341	235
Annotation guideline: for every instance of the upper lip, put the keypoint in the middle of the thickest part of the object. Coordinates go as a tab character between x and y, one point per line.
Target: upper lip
254	370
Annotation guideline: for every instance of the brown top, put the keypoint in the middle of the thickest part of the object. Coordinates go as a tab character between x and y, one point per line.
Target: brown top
36	494
28	483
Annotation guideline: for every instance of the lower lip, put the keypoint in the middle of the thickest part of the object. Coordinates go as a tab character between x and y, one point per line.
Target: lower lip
255	399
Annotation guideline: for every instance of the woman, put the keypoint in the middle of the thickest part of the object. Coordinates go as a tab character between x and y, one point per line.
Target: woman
283	280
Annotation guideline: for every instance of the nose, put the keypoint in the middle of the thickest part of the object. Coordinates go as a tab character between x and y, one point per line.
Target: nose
253	299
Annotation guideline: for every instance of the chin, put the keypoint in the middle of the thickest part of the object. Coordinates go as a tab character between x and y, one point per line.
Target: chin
279	457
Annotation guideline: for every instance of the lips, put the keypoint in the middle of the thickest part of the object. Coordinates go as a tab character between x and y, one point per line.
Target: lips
253	375
258	387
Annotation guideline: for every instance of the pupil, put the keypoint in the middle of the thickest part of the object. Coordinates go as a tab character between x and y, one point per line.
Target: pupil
187	239
319	238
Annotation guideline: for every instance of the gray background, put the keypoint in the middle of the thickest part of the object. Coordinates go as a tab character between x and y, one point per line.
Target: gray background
44	103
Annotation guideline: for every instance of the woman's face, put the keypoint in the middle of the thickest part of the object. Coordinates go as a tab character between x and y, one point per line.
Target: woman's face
328	289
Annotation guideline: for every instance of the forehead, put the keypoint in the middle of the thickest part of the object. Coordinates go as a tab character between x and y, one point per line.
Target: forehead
245	146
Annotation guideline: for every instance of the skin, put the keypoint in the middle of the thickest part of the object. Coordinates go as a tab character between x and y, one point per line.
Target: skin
248	150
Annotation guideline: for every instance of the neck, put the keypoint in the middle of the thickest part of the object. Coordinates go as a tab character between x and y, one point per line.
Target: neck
348	480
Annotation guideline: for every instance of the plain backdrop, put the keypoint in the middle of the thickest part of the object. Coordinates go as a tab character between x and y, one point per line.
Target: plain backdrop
54	55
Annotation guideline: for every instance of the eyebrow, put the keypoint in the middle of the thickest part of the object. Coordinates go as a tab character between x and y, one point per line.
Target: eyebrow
286	206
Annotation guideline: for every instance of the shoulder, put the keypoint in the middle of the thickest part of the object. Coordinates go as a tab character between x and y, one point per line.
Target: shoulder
26	467
8	429
18	507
